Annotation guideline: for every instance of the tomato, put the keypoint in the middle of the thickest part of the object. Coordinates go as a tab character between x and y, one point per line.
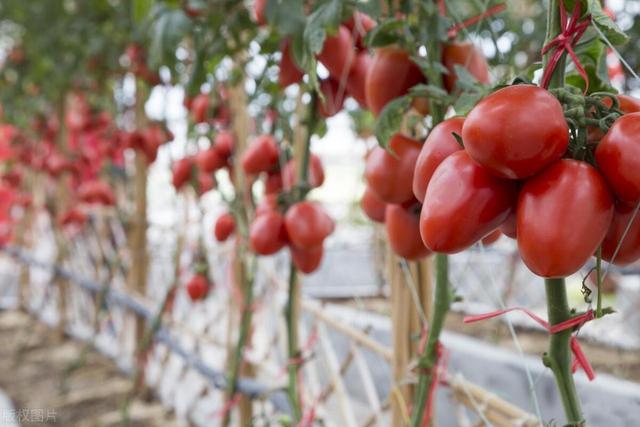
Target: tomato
563	216
224	227
96	192
261	156
357	78
307	224
391	74
205	182
307	260
403	231
74	216
273	182
267	233
516	131
182	171
618	157
338	53
268	204
466	55
200	108
258	11
629	104
315	174
491	238
629	250
360	24
198	287
333	97
209	160
509	226
439	144
224	143
463	203
372	206
289	71
390	176
153	137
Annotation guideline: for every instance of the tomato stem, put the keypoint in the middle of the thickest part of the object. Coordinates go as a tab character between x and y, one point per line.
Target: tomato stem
429	358
599	282
559	356
290	311
558	359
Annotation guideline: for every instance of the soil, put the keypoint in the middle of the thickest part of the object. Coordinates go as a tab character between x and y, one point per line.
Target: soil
35	373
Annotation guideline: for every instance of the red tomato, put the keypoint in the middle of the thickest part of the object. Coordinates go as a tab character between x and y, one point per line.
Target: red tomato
182	171
96	192
463	203
307	224
372	206
258	11
563	216
200	108
391	74
273	182
438	146
224	143
315	177
360	24
334	97
267	233
198	287
390	176
209	160
268	204
153	137
509	226
629	250
403	231
628	104
74	216
516	131
289	71
338	53
466	55
224	227
491	238
261	156
205	182
307	260
358	77
618	157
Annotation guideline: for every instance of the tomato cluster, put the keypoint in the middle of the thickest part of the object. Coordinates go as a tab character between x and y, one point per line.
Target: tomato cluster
512	172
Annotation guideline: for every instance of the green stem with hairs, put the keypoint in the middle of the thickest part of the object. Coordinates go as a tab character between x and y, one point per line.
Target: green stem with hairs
558	358
293	349
429	358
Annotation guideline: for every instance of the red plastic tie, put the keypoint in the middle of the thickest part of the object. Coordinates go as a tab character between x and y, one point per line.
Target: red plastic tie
228	406
453	31
573	30
577	322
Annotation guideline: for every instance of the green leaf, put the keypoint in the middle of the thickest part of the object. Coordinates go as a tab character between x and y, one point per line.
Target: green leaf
373	8
386	33
467	100
428	90
592	56
390	119
168	30
605	24
141	9
287	16
325	18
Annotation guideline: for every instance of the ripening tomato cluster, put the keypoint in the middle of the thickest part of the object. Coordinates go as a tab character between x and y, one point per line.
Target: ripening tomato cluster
373	80
511	173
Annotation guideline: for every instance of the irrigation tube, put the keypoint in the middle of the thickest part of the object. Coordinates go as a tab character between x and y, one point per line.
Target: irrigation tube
246	386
